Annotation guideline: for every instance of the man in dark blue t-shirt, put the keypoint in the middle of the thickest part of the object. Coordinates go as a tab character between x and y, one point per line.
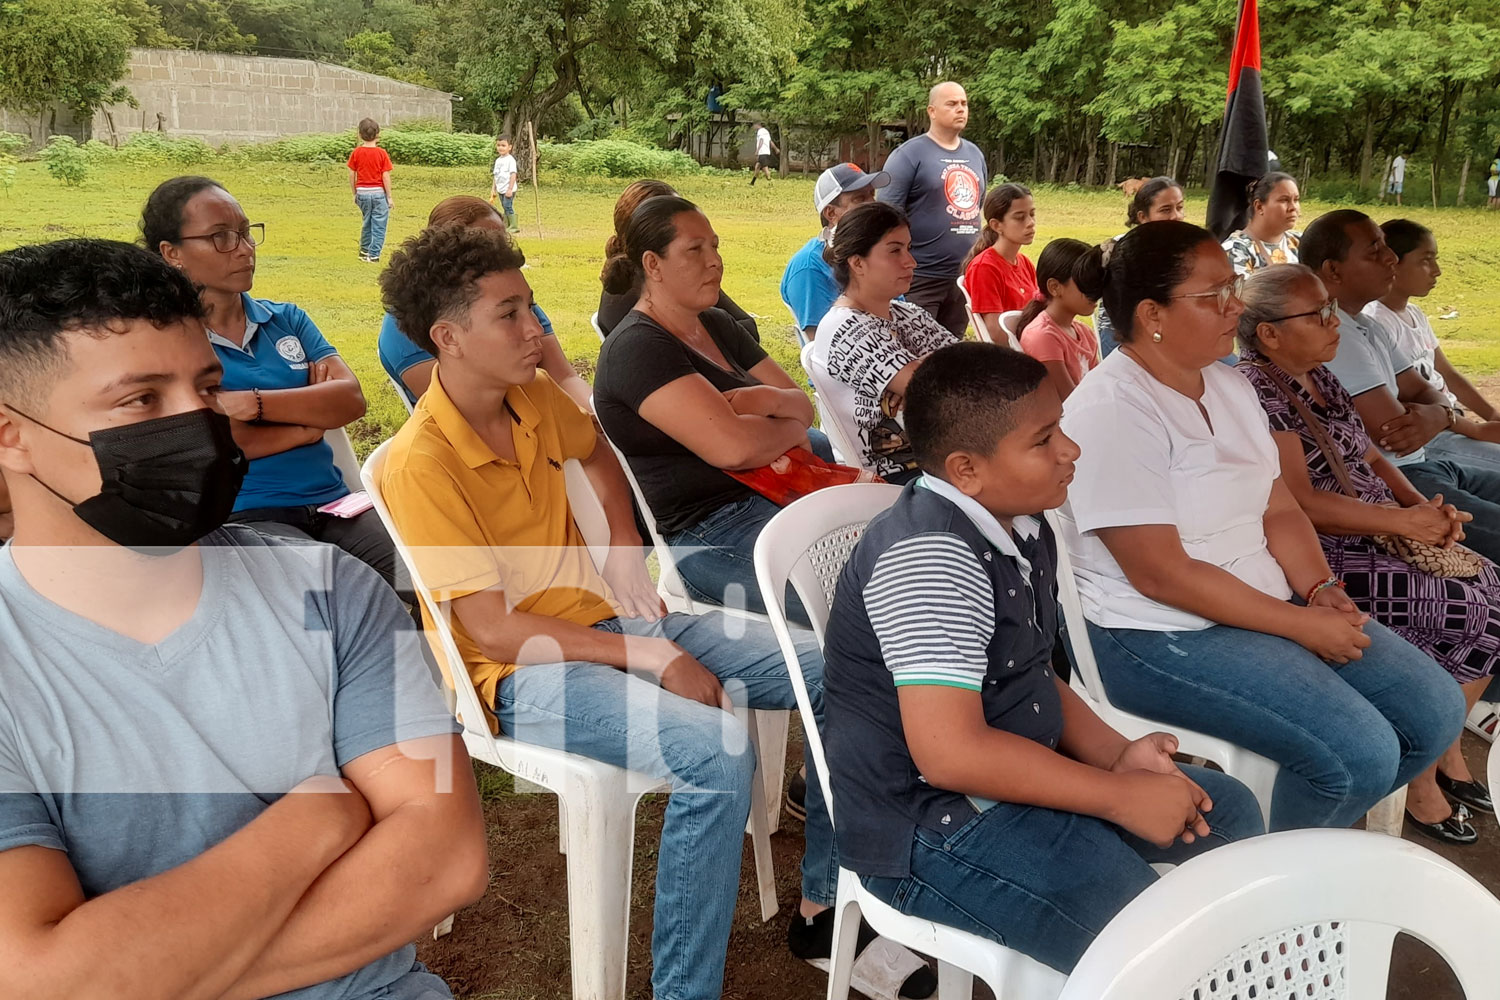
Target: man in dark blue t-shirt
938	180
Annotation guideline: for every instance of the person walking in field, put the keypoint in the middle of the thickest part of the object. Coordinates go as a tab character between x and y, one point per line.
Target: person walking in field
504	187
370	179
1494	180
766	152
1398	177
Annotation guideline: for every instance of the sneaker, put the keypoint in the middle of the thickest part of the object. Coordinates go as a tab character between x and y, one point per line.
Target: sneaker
364	256
372	260
796	795
1484	720
883	970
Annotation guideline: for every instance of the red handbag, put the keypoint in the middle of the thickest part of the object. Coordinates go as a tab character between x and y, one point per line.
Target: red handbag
798	473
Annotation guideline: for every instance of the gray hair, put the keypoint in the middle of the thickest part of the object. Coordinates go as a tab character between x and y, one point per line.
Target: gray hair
1267	292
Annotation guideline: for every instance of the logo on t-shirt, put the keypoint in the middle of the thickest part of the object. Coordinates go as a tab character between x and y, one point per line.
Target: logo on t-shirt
963	190
290	348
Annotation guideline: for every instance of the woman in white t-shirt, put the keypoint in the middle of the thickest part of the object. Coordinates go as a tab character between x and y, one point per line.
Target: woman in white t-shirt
870	342
1209	600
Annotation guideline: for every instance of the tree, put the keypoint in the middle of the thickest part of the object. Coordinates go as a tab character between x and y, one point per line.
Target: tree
68	52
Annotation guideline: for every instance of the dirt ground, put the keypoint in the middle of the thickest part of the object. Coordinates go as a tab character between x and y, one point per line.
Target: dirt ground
513	944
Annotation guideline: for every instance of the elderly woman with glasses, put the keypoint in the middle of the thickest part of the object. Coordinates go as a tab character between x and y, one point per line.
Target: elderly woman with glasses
1288	331
1210	604
284	385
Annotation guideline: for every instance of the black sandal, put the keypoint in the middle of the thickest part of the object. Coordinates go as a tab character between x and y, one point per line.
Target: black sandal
1471	793
1454	830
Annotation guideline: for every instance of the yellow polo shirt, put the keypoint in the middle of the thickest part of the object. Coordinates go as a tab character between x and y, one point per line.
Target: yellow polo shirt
474	521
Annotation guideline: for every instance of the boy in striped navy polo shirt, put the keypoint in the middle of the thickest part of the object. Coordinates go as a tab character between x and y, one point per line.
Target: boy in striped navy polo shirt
974	787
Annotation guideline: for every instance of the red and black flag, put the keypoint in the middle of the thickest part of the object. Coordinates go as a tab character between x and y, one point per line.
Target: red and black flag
1242	142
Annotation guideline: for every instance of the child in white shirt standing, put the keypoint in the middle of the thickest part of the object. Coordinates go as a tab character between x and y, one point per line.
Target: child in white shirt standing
504	186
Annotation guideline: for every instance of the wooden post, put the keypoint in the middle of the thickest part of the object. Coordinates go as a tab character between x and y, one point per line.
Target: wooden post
1463	178
1433	171
536	196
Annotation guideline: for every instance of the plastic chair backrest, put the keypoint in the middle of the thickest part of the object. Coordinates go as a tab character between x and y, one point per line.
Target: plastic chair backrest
594	322
467	708
1008	321
400	388
807	544
344	458
802	340
979	330
1492	767
1085	668
1308	914
835	403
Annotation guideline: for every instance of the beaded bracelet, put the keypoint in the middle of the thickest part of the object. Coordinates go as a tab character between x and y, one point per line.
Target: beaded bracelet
260	410
1323	585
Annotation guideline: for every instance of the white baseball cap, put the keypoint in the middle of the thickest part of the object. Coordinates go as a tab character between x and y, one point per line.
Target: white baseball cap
842	179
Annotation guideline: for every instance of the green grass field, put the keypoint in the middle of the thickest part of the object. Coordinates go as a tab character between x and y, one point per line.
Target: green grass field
312	236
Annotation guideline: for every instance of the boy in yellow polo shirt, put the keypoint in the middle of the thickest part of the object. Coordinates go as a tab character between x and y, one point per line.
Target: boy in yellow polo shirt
569	657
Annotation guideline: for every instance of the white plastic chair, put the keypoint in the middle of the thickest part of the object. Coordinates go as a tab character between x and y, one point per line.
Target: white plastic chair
835	403
807	545
1492	766
802	340
594	322
344	458
1008	322
400	393
597	800
1309	914
1255	772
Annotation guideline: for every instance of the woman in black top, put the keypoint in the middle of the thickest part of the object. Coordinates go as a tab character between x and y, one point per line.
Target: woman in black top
613	306
685	393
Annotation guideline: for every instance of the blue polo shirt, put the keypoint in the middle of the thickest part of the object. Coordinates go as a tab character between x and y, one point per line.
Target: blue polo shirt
808	286
280	345
398	352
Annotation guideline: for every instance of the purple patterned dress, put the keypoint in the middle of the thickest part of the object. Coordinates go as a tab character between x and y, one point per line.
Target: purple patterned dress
1456	622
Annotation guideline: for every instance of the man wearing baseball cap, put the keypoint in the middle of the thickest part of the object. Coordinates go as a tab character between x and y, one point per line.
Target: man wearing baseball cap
808	287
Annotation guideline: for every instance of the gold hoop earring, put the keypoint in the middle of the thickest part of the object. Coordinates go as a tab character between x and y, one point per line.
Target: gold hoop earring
1156	337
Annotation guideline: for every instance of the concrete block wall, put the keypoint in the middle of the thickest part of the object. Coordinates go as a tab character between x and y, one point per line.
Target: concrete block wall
231	98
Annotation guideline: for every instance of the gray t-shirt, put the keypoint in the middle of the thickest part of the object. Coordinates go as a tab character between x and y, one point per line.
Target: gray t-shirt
136	758
942	193
1367	359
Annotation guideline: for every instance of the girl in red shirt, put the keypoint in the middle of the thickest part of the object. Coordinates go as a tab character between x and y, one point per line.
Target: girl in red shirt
997	275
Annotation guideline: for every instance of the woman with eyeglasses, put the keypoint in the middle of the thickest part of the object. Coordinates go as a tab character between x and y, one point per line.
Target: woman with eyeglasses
1288	332
1210	603
284	385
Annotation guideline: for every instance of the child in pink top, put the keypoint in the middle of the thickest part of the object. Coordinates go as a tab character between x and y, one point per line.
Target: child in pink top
1050	329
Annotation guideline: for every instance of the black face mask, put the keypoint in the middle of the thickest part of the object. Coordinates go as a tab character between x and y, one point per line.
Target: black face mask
166	482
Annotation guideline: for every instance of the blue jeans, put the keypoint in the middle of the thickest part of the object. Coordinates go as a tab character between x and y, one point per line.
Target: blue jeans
624	719
1469	487
1046	882
508	204
1345	736
1465	451
716	556
375	210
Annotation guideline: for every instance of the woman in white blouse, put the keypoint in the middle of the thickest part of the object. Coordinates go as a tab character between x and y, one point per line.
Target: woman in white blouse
1210	603
871	341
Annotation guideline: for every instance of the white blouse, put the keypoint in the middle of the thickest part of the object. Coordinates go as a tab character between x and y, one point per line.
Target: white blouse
1149	458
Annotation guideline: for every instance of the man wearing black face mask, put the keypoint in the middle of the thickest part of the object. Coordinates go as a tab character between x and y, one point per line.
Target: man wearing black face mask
165	679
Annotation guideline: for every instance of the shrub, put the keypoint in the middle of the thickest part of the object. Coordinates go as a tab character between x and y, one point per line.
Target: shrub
620	158
439	149
555	156
419	125
11	143
65	160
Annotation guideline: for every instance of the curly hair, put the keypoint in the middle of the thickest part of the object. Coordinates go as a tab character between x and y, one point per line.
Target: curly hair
161	218
87	286
435	276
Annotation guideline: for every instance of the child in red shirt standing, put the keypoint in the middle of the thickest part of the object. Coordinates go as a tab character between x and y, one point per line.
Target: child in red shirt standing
997	275
370	177
1049	326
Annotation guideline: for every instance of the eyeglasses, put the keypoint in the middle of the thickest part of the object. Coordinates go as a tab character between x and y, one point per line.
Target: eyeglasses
1324	313
1233	290
228	240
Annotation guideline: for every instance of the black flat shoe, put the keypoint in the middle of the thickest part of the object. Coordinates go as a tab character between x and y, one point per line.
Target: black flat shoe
1471	793
1453	830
